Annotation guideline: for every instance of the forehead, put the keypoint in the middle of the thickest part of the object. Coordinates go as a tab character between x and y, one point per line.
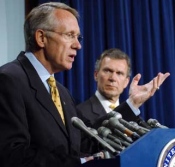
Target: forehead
66	21
114	64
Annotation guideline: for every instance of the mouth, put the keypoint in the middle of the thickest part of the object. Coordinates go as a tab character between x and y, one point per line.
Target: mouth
111	87
71	57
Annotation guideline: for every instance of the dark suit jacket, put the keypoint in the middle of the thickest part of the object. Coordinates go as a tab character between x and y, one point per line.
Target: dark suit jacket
92	112
31	131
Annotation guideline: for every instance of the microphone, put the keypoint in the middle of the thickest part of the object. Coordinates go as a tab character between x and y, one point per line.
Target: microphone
142	123
126	124
93	130
113	144
117	132
107	155
114	123
105	132
78	123
155	124
136	124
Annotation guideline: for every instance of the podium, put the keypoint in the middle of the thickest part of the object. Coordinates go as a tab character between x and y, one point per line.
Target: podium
145	152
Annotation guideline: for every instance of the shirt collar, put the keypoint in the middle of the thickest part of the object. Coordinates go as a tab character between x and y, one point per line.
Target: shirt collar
40	69
105	103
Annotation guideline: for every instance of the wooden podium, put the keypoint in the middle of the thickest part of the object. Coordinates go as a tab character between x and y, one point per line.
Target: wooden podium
145	152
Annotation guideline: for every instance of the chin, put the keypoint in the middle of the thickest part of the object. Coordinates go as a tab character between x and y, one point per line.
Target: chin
63	68
110	94
68	66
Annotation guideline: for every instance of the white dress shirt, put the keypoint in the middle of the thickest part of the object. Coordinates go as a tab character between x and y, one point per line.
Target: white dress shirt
105	103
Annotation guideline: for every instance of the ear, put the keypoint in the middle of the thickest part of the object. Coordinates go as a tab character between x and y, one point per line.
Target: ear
39	36
95	75
126	82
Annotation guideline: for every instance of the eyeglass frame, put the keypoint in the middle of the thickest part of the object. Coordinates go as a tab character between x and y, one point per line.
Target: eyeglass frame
69	36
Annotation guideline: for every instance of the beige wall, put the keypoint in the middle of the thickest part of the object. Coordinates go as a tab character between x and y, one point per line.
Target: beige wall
11	29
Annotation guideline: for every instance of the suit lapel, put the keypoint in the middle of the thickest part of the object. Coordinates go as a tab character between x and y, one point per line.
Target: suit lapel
97	108
42	96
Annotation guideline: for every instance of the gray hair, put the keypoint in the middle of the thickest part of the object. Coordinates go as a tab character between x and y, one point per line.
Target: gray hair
114	54
42	17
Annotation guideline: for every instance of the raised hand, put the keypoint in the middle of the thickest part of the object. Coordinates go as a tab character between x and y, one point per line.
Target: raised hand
138	94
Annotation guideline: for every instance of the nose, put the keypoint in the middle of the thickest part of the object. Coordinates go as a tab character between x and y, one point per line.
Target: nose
112	77
76	44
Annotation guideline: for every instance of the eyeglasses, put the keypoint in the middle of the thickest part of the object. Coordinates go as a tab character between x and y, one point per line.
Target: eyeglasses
69	36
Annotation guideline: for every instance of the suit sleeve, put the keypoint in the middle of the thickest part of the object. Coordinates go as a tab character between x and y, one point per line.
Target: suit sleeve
124	110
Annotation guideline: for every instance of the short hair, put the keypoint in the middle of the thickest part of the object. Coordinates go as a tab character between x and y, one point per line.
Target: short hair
42	17
114	53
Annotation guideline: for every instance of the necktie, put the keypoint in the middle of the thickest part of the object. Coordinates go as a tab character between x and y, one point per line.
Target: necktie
112	106
55	96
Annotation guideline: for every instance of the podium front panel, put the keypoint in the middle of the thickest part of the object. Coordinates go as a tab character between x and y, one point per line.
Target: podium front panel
144	152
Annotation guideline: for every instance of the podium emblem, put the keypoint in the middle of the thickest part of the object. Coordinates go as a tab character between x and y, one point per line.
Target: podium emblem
167	155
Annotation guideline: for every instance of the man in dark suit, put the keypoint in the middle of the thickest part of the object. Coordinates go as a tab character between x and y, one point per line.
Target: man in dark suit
112	74
32	132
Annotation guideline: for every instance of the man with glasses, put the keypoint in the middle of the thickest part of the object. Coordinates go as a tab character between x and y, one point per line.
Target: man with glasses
36	129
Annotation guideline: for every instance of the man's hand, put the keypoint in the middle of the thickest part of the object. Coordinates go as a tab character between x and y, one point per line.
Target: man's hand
99	155
138	94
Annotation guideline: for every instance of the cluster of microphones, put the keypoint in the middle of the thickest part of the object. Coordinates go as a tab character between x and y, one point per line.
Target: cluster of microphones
115	133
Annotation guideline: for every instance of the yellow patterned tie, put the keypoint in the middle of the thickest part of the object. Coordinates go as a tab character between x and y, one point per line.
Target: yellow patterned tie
55	96
112	106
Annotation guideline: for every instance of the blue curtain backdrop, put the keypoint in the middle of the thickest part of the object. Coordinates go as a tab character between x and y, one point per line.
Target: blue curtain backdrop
145	30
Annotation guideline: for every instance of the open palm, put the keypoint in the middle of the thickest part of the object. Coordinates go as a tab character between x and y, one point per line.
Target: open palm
138	94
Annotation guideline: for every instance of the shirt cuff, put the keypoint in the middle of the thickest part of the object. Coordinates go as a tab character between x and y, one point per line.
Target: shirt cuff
136	111
83	160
